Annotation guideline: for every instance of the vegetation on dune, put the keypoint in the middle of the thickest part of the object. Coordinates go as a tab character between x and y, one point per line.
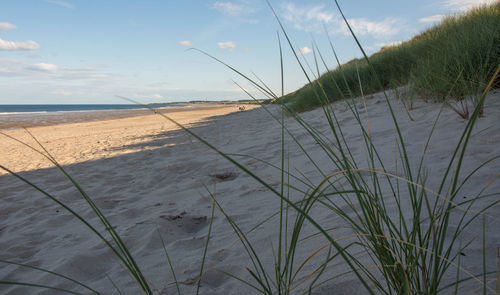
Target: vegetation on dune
447	62
397	236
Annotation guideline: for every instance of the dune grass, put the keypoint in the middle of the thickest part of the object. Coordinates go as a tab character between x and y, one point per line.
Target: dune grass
401	251
450	61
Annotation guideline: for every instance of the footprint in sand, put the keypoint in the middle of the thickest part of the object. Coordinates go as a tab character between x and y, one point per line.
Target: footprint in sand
184	223
225	175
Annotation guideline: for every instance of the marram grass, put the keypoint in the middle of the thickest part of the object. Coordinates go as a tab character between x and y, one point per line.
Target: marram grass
406	254
451	61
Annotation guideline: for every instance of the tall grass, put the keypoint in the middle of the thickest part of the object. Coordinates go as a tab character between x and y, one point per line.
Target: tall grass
396	236
449	61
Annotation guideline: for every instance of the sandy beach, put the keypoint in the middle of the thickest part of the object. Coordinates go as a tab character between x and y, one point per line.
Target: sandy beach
149	177
88	136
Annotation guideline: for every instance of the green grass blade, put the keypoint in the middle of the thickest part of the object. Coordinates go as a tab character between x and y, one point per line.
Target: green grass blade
50	272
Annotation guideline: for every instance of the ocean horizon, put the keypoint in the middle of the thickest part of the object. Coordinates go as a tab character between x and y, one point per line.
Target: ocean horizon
9	109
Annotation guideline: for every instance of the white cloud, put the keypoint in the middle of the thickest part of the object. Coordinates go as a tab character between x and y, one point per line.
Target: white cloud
7	26
13	67
18	68
15	45
464	5
313	18
44	67
386	28
185	43
61	3
18	45
157	96
226	45
228	7
454	6
432	19
305	50
308	18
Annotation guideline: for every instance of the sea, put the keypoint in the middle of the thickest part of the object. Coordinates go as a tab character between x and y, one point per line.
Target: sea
15	116
10	109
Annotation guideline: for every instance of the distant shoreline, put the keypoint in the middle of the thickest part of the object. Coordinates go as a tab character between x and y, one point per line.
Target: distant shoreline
37	119
15	109
94	135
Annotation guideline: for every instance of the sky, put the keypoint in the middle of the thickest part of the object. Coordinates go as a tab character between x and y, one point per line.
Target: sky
94	51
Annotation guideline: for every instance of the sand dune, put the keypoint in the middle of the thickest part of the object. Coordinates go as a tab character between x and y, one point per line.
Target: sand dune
146	176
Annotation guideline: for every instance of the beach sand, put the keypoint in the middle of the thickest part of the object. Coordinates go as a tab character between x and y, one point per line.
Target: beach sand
88	136
148	177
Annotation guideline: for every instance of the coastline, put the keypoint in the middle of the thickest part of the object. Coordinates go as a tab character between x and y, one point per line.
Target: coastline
88	136
29	120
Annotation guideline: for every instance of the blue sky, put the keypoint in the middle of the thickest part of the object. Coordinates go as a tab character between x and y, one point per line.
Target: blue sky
91	51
